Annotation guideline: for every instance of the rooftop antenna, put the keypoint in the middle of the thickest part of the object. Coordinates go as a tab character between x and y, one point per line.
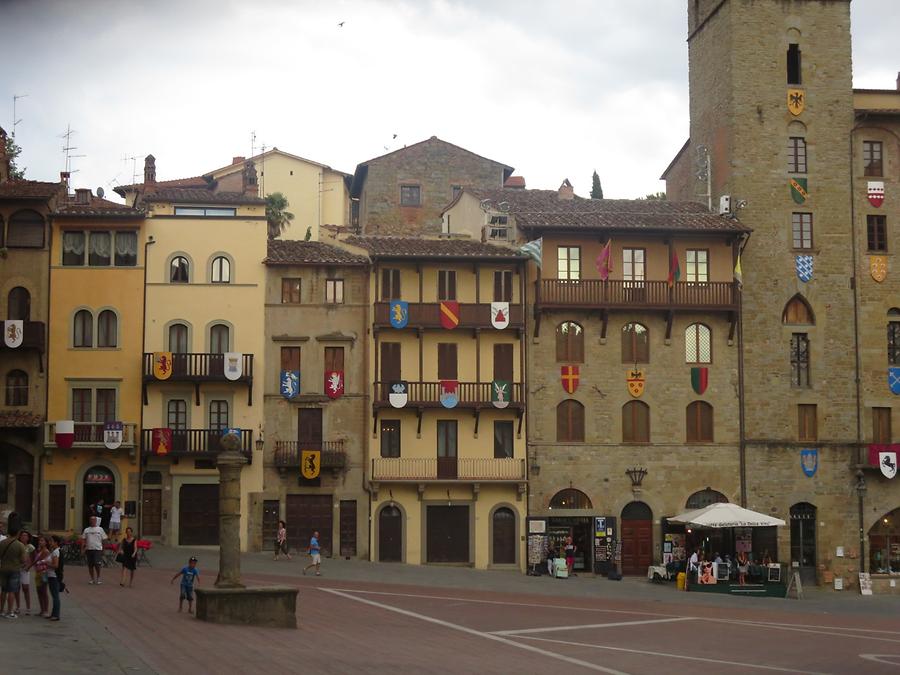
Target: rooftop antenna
133	159
16	121
262	168
68	147
252	143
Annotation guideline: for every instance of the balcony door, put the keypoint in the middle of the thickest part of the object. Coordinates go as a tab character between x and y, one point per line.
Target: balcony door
446	449
390	366
309	429
447	361
503	362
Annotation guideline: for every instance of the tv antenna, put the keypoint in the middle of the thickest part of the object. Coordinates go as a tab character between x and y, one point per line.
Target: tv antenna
16	121
252	143
68	147
133	159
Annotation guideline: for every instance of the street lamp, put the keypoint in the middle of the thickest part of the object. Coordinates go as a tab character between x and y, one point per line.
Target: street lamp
861	493
260	440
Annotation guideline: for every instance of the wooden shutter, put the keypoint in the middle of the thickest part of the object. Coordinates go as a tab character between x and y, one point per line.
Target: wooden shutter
503	362
309	428
447	285
503	286
577	416
334	358
290	358
390	284
390	361
447	367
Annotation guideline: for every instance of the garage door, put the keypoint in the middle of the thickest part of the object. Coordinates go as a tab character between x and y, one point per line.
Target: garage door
448	534
198	515
305	515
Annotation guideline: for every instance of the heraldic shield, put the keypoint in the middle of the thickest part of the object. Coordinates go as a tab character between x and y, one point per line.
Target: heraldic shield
809	461
290	383
449	393
399	393
796	101
334	383
887	462
570	377
162	365
500	393
399	313
799	189
233	365
310	463
449	314
635	379
878	267
804	267
65	434
875	193
112	435
13	333
699	379
894	380
499	315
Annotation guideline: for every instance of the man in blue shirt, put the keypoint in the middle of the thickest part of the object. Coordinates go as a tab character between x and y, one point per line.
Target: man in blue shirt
313	550
189	574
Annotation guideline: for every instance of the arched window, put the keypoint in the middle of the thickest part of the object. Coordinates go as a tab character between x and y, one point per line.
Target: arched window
798	311
570	498
503	523
884	544
699	427
179	270
178	338
221	270
83	333
16	388
18	304
637	511
219	338
570	342
570	421
635	422
704	498
635	343
697	344
25	230
107	329
893	337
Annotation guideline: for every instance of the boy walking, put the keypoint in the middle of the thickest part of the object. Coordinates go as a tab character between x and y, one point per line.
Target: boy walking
314	553
189	575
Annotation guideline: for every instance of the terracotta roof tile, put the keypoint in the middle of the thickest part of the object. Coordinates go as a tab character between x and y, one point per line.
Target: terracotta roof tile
28	189
198	196
192	181
98	207
310	253
20	419
417	247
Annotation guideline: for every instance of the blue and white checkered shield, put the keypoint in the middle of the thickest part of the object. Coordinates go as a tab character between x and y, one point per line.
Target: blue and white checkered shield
804	267
894	380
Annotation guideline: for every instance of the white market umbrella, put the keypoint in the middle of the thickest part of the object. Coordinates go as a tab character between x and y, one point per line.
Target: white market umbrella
721	515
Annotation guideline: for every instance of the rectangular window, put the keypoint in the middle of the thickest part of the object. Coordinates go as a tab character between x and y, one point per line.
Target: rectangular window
503	286
636	422
290	291
568	262
334	358
873	164
218	415
446	438
207	211
699	423
410	195
99	252
82	405
176	414
334	291
800	360
390	284
802	228
876	231
806	423
73	249
794	75
503	440
893	343
106	405
126	249
797	154
446	284
697	264
881	425
290	358
633	264
390	438
447	368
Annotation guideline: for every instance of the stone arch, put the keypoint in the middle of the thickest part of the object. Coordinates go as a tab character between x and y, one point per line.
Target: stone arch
192	269
403	517
211	261
516	520
797	311
79	484
704	497
570	498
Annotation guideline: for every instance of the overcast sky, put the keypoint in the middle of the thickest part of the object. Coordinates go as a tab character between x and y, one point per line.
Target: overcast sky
555	89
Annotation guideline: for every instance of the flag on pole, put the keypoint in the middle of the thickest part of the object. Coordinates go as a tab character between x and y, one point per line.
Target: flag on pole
674	269
738	274
534	250
604	261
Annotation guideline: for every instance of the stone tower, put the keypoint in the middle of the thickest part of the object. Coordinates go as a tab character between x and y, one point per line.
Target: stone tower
771	100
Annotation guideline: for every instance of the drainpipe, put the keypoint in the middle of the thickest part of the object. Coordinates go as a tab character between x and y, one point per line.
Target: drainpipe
367	441
40	440
140	441
742	430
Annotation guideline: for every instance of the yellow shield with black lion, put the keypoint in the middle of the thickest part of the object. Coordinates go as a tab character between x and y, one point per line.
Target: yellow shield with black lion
310	463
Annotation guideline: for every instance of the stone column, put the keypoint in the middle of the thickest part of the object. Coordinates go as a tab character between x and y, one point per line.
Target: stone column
230	462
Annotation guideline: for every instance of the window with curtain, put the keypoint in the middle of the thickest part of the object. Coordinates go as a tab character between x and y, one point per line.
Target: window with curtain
73	249
635	343
83	329
446	438
107	329
569	342
178	338
221	270
126	249
106	406
636	422
16	388
570	422
697	344
25	230
82	404
176	414
219	339
699	427
568	262
290	291
99	253
179	270
18	304
503	439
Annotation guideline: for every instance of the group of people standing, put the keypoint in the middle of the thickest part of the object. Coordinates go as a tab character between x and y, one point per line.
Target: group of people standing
24	564
313	549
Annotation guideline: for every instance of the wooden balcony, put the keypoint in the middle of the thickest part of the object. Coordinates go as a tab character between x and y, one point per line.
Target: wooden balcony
597	294
428	395
471	469
287	454
90	435
35	337
197	443
428	315
199	368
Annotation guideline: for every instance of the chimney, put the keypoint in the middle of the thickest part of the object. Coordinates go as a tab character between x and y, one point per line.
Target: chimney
515	183
237	160
82	196
566	191
248	179
149	170
64	179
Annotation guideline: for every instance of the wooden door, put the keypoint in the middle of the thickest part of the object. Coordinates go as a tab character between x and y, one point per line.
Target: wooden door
198	515
305	515
348	528
24	495
390	534
390	366
504	537
447	361
56	507
309	428
503	362
637	538
447	534
271	516
152	513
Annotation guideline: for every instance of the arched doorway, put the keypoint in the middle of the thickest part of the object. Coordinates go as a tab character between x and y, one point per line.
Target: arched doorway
637	538
803	541
99	484
503	524
390	534
570	498
573	524
884	544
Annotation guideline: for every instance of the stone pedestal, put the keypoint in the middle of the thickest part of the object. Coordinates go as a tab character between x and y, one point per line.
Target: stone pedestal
230	462
271	607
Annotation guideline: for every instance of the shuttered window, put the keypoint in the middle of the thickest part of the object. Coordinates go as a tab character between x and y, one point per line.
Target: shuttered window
503	286
699	425
570	422
334	358
446	284
569	342
635	422
290	358
806	423
447	364
390	284
881	425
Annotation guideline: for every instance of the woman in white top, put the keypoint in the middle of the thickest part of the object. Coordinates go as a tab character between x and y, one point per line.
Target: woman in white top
25	575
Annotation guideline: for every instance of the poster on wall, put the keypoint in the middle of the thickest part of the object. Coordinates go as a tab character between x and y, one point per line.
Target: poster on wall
865	583
743	539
